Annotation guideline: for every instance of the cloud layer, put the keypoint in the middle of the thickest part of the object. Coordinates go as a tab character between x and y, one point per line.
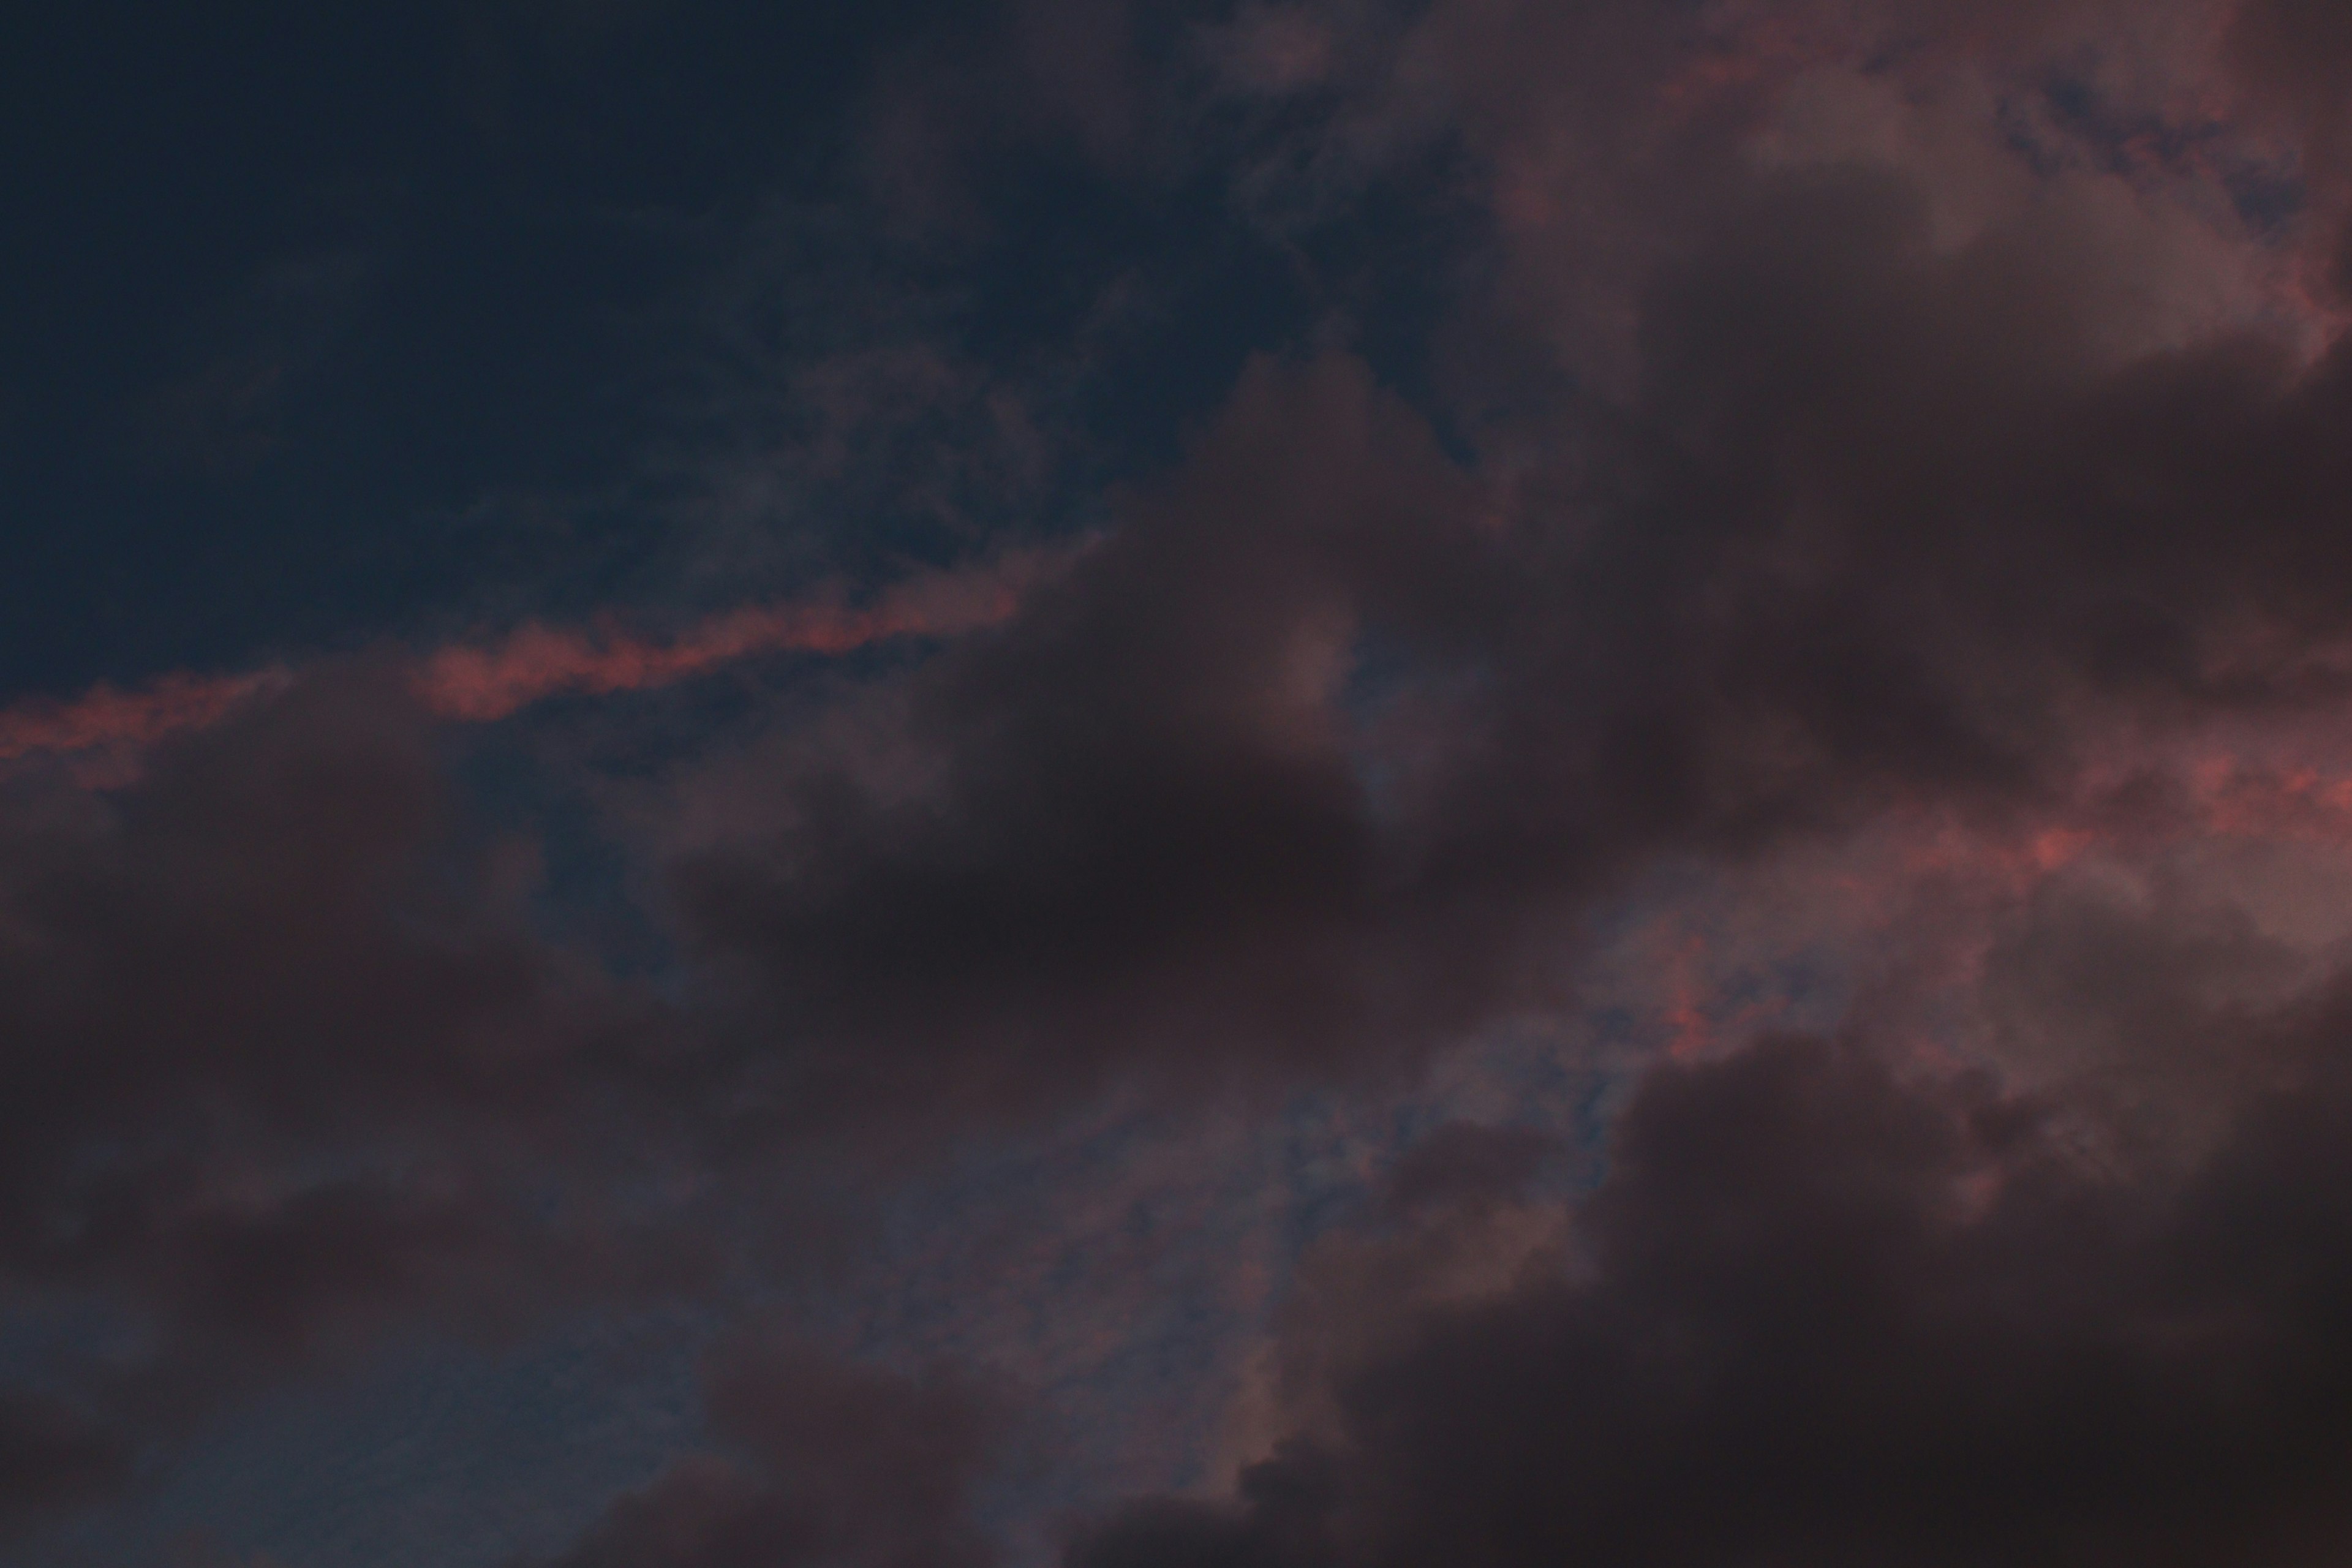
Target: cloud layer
1794	554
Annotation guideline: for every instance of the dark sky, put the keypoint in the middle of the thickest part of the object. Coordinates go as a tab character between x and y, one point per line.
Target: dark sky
1297	784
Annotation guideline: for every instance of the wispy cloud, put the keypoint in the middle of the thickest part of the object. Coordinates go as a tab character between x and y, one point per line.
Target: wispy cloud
106	716
481	682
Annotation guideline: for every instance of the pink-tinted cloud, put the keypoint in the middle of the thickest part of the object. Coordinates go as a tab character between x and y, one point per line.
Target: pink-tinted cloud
105	716
480	683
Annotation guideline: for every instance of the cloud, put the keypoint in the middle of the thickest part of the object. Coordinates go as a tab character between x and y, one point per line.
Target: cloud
51	1460
826	1462
106	717
1823	1312
285	1064
537	662
480	684
1131	818
1316	762
1464	1164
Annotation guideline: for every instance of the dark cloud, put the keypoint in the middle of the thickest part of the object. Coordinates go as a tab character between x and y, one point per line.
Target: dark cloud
2294	58
1312	760
2300	50
1464	1164
282	1062
1819	1312
1130	823
52	1460
825	1463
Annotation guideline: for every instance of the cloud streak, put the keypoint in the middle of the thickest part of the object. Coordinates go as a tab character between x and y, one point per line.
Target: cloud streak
106	715
480	683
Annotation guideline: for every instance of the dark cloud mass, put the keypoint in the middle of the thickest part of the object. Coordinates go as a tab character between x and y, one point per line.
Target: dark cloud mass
830	1463
283	1062
52	1460
1820	1314
1296	763
1133	824
1645	699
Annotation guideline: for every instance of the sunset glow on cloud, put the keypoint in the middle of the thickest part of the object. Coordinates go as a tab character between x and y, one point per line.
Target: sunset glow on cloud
105	716
479	684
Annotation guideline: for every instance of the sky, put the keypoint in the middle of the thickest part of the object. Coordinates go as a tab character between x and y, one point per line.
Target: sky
1176	783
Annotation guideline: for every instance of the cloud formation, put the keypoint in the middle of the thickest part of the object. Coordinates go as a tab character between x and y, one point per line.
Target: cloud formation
537	662
1822	1312
1338	735
823	1462
285	1065
470	684
1884	465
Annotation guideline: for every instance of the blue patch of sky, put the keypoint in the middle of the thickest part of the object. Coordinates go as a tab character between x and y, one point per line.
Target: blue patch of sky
198	470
